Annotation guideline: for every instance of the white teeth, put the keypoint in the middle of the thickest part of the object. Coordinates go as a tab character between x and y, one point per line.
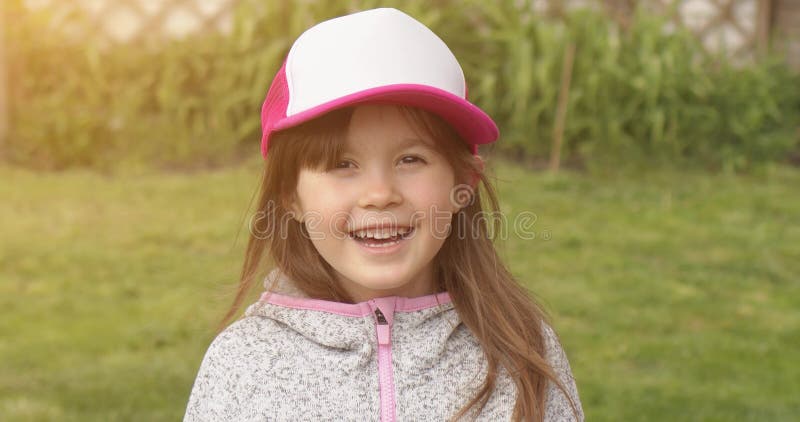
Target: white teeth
383	244
381	234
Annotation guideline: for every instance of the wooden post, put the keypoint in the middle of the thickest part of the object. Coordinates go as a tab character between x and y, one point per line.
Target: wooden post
561	110
763	25
3	87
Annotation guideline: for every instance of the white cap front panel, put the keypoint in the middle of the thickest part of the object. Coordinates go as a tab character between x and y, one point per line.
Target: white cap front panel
365	50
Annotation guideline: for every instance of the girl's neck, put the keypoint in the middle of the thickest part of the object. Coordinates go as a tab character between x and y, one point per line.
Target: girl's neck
421	285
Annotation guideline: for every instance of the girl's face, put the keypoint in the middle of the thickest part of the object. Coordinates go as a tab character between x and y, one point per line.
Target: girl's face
383	213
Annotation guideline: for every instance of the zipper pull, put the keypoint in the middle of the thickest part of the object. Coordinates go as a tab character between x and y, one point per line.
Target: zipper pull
383	327
379	316
383	310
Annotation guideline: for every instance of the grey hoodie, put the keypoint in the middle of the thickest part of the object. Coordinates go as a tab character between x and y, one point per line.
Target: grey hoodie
391	358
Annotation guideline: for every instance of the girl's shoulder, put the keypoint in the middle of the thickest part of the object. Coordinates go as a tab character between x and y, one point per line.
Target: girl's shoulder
248	327
241	338
558	405
233	359
555	353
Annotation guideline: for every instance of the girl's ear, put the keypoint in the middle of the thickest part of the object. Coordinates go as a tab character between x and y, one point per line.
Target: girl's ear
476	176
463	195
292	204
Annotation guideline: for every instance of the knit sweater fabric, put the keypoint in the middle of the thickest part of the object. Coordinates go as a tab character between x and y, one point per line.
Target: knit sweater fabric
392	358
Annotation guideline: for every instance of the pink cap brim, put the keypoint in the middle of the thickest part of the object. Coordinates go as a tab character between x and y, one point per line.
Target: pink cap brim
475	126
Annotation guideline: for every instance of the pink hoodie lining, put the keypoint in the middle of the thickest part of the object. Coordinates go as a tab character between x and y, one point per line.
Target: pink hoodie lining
361	309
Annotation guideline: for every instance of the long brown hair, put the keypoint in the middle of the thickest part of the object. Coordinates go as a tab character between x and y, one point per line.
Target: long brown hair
499	311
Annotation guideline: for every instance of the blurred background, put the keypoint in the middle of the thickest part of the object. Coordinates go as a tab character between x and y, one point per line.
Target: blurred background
657	142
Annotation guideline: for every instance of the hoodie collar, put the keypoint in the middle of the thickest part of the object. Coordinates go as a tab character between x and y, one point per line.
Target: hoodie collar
286	293
339	324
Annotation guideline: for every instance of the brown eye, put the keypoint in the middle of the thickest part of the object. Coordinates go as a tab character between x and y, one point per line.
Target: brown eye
344	164
411	159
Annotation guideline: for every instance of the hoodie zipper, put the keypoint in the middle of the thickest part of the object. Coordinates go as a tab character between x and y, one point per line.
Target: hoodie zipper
383	327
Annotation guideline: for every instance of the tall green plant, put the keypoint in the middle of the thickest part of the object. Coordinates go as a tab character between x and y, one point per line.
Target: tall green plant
640	95
180	102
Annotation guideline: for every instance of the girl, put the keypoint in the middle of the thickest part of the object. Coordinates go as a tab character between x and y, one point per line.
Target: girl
387	299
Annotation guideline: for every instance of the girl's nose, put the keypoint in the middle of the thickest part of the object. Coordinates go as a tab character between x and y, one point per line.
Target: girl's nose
380	191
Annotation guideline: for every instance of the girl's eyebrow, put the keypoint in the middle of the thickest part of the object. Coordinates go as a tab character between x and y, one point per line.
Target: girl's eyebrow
405	143
412	142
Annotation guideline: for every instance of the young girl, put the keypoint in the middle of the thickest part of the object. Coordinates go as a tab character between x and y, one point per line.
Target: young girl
387	300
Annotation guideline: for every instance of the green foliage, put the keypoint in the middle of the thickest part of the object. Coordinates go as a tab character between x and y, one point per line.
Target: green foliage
640	96
181	102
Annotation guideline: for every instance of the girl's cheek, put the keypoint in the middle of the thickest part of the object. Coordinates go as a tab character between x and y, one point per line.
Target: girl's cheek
437	196
337	223
315	224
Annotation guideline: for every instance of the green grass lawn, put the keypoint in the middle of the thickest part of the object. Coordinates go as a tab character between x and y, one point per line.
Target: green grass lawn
676	294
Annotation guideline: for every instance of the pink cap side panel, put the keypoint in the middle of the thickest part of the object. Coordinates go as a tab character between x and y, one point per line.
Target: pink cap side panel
274	108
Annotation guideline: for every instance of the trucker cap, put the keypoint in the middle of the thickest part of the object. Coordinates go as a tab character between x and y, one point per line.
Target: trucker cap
378	55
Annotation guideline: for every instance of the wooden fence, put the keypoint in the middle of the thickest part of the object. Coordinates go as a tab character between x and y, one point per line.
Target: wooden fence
739	26
134	21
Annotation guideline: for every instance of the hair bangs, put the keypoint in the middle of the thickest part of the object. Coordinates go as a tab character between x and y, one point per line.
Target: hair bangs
319	143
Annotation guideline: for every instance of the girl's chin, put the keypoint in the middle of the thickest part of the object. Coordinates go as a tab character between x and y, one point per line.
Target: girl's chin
364	284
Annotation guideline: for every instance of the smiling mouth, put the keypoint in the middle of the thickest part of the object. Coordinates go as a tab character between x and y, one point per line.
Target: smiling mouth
381	239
